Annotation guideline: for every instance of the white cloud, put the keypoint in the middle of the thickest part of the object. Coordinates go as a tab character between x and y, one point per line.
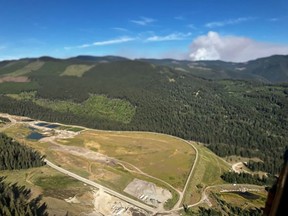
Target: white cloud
103	43
227	22
143	21
232	48
170	37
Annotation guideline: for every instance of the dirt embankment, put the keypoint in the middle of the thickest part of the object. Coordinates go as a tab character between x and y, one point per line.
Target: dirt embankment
19	79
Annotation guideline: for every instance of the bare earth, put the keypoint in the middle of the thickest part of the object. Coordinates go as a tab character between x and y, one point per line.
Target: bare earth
105	204
148	192
19	79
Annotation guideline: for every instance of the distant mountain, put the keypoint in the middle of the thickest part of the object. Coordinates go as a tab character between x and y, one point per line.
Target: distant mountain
273	69
98	58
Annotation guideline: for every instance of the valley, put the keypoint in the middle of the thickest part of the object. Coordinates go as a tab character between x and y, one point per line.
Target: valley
146	136
108	162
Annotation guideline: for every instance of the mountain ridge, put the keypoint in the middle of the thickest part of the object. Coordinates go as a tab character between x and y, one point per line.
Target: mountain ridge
272	69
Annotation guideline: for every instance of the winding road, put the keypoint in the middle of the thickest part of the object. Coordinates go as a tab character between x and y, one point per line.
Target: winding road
114	193
101	187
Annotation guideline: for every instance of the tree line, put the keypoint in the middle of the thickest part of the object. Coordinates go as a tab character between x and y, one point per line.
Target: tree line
16	201
246	178
13	155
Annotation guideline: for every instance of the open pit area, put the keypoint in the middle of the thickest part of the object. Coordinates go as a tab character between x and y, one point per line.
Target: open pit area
148	192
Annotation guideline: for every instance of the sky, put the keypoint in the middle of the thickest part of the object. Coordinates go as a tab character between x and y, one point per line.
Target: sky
228	30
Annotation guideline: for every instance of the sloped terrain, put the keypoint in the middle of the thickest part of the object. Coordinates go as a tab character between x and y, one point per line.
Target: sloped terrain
234	117
272	69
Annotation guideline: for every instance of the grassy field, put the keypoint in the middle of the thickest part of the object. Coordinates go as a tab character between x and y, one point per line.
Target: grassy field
76	70
207	172
54	186
245	203
114	177
68	128
161	156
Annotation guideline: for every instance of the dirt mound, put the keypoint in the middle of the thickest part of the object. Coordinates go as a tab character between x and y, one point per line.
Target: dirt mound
148	192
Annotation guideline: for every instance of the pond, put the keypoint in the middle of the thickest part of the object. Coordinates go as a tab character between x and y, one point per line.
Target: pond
247	195
42	124
35	136
47	125
52	126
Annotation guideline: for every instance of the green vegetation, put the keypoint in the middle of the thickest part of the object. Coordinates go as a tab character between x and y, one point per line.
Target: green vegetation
221	207
246	178
50	68
201	211
52	196
59	186
76	70
68	128
170	203
207	172
16	156
148	152
96	106
74	129
33	66
236	210
273	69
17	88
12	66
55	182
16	200
244	118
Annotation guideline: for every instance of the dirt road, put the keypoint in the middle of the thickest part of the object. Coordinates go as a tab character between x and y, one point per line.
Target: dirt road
105	189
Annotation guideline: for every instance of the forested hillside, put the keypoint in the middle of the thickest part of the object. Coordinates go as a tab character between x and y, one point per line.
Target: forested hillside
245	118
14	199
272	69
13	155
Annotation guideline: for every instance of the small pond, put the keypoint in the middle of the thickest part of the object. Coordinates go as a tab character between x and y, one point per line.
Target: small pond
247	195
35	136
52	126
47	125
42	124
